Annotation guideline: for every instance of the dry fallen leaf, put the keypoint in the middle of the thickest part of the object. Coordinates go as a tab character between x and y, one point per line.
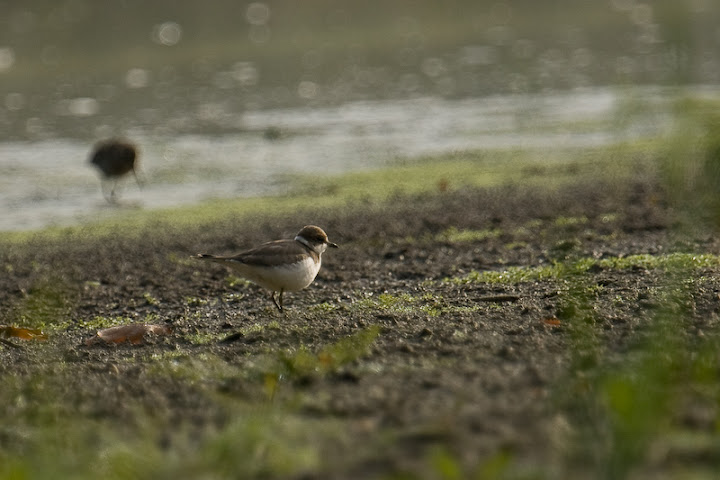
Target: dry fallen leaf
552	322
9	331
133	333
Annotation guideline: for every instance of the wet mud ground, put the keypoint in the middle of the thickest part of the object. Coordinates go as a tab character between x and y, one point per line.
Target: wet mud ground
471	371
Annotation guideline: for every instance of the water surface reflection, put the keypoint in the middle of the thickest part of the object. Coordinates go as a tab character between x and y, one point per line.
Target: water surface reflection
49	181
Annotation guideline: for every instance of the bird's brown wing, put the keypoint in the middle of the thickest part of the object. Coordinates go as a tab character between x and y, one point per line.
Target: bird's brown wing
273	253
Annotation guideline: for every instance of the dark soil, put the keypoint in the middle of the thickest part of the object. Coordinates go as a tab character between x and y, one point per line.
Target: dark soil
481	377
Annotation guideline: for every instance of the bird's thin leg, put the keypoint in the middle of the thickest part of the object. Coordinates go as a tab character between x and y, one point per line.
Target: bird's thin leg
137	179
272	296
281	297
104	186
112	193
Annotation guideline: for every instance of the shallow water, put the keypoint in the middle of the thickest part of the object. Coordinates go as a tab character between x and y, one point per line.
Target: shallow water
50	182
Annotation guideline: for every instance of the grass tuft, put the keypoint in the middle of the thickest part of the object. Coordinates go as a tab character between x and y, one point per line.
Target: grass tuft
302	363
47	304
563	270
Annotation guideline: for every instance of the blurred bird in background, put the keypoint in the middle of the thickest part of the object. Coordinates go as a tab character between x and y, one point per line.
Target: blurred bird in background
114	158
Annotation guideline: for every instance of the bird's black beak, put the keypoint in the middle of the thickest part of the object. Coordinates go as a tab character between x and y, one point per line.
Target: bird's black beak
332	245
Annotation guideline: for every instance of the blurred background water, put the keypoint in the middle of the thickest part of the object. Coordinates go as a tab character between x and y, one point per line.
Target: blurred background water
228	98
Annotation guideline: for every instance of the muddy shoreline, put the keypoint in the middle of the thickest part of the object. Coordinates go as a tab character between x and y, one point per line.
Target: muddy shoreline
470	369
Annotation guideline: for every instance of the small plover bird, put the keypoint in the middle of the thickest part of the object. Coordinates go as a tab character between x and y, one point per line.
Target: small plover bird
114	158
281	265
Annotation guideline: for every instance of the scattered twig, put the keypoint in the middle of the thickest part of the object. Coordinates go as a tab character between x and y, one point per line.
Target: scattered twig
10	344
233	337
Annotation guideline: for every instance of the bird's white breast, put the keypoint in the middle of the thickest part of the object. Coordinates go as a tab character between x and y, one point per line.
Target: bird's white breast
288	277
